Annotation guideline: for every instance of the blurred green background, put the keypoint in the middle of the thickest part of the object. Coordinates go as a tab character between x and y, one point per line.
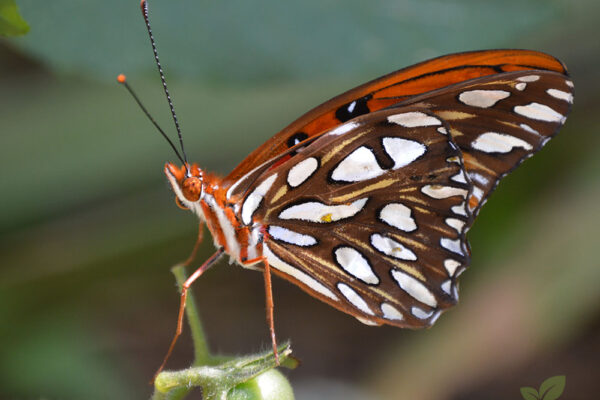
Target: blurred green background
88	227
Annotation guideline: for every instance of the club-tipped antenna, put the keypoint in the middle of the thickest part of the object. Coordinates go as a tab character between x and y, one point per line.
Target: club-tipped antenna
144	7
123	80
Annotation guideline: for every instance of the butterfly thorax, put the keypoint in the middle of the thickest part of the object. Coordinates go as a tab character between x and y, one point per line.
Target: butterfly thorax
205	195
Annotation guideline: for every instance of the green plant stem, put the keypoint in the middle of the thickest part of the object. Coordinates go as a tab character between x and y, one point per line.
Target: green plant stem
201	351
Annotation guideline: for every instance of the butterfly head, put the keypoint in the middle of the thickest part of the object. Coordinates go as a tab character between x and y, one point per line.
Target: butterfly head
187	183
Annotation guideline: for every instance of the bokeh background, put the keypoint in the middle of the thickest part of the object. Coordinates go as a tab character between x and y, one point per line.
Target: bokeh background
88	227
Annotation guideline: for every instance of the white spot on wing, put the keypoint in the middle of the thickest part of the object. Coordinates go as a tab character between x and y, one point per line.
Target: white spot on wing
314	211
403	151
459	209
451	266
521	86
420	313
559	94
392	248
482	98
354	298
414	288
435	316
253	200
478	178
477	192
302	171
286	268
529	78
288	236
442	130
367	321
390	312
355	264
569	83
446	286
529	129
454	246
492	142
398	216
442	192
414	119
345	128
351	107
359	165
455	291
460	177
539	112
455	223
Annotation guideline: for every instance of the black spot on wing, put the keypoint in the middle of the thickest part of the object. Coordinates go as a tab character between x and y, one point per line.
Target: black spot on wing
293	140
296	138
353	109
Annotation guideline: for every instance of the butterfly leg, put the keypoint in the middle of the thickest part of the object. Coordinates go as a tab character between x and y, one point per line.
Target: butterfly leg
184	289
269	301
194	252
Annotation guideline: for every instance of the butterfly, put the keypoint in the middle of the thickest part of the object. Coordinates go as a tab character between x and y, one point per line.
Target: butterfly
365	201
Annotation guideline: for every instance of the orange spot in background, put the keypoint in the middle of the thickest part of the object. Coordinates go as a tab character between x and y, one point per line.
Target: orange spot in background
121	78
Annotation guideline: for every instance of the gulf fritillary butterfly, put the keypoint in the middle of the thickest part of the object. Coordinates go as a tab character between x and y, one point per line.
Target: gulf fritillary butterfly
364	202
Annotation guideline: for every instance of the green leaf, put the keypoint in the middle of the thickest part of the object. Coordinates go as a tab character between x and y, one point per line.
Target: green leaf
11	22
186	35
529	393
552	388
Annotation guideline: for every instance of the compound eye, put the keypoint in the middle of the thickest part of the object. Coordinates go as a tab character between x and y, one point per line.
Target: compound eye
180	204
191	188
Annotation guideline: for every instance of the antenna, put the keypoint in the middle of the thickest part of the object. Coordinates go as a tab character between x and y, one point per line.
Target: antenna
144	7
122	79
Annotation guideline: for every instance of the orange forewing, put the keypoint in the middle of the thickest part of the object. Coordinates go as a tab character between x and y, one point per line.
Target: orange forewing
396	87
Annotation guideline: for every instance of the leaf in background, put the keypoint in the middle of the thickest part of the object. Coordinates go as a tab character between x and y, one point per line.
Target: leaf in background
237	42
529	393
552	388
11	22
